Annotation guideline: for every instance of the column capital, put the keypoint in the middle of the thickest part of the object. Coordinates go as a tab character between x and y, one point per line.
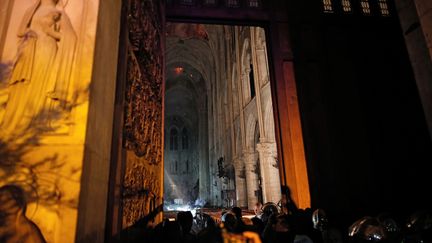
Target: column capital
267	147
249	153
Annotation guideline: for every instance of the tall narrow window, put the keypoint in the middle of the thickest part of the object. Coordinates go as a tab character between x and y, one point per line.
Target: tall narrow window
185	139
252	82
365	7
346	6
187	166
327	5
176	167
233	3
384	7
253	3
173	139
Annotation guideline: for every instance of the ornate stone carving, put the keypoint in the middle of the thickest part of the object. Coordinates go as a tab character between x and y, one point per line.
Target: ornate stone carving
143	116
40	78
267	148
142	192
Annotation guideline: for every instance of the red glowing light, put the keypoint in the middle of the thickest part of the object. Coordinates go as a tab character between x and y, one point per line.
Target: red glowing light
178	70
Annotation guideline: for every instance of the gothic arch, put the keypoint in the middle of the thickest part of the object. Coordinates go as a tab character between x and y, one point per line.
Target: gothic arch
196	53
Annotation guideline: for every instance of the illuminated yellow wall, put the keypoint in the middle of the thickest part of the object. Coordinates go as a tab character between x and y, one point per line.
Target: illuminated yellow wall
44	155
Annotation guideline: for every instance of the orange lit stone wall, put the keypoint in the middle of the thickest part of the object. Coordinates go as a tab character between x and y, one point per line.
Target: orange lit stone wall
45	155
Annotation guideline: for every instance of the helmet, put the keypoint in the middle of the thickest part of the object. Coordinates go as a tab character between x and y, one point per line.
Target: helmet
319	219
270	208
367	229
421	220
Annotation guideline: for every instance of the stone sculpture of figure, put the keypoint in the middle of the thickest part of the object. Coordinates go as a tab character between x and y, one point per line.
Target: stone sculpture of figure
14	225
42	69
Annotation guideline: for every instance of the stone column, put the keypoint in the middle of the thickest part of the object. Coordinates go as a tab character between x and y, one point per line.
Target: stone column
250	159
240	183
269	171
203	155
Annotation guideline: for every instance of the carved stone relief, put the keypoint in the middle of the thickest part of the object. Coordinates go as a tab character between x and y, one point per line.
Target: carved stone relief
39	79
45	64
143	116
140	191
143	111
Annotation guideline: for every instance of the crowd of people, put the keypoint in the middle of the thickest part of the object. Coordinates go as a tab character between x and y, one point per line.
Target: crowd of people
284	222
270	223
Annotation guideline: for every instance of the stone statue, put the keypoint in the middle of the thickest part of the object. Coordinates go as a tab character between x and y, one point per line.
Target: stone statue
42	69
14	225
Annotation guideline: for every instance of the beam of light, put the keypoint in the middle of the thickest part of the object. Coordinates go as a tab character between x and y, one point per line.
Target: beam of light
199	203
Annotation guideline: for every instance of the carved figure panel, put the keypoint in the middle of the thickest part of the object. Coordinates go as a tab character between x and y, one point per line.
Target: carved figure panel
47	49
142	133
141	190
143	116
40	75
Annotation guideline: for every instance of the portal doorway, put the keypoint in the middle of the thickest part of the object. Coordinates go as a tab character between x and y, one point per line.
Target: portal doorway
137	176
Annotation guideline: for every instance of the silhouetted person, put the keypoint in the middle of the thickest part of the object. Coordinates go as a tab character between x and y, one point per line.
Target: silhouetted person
240	224
168	232
14	225
304	226
286	203
269	209
185	219
230	222
237	212
327	233
141	230
258	225
210	233
279	229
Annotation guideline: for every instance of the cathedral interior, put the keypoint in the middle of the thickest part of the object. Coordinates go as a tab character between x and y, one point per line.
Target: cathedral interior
218	132
117	116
